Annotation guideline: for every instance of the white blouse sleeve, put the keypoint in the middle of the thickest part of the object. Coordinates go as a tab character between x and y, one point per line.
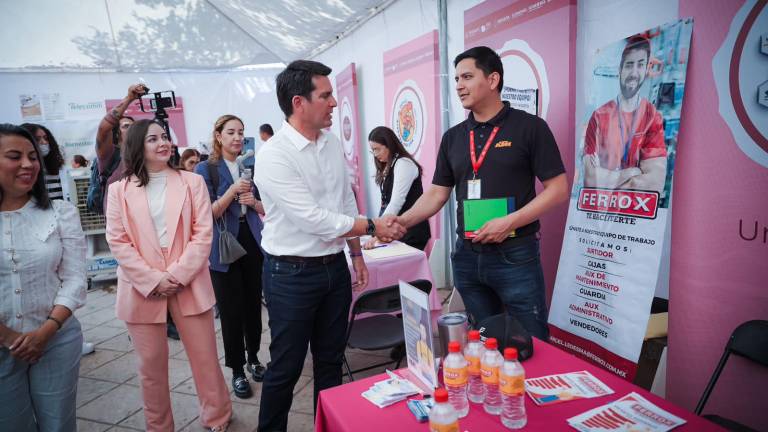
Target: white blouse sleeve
71	269
405	173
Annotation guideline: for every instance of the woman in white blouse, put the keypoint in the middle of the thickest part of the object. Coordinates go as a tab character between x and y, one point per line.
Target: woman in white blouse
42	281
399	178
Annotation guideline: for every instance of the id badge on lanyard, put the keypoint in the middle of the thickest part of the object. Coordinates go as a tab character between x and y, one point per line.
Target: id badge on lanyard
474	186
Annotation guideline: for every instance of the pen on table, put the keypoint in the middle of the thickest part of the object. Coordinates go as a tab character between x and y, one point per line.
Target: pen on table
380	246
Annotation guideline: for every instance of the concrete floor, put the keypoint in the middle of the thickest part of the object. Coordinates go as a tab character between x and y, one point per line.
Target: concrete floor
109	398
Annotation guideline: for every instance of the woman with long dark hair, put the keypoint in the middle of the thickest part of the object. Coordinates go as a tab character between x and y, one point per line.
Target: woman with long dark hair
236	206
398	176
159	229
43	281
53	160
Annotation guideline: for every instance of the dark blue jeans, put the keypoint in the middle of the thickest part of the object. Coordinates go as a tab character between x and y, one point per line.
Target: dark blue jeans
508	277
307	304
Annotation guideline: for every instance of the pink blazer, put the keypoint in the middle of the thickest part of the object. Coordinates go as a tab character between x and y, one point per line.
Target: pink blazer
141	264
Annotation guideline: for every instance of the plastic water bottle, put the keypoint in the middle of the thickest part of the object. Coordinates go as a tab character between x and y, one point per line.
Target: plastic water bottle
472	352
442	416
512	384
455	379
490	365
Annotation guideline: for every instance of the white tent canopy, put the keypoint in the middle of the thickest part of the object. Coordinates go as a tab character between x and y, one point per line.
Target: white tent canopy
153	35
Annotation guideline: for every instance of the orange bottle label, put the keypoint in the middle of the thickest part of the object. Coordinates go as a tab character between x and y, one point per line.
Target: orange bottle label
439	427
490	374
455	376
474	365
512	385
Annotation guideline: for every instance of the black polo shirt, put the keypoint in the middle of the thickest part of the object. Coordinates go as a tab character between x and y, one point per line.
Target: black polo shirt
523	148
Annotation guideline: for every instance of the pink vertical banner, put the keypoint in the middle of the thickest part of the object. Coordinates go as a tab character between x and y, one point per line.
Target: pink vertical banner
718	269
346	91
412	104
536	41
175	117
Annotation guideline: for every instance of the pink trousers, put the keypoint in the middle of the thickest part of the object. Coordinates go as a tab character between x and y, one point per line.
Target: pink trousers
199	339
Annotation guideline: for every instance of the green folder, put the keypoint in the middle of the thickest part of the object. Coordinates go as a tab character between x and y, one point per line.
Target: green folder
479	211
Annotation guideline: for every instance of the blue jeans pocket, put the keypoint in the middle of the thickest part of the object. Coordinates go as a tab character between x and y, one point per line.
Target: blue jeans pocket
520	254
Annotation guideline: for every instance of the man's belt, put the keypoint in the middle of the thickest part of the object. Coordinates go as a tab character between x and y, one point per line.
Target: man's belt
325	259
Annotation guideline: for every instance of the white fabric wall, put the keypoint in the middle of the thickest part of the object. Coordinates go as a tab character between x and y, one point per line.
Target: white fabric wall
247	94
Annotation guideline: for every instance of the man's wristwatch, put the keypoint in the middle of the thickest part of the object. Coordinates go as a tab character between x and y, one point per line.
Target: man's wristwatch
371	227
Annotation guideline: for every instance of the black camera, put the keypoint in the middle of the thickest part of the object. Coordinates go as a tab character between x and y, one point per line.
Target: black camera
158	102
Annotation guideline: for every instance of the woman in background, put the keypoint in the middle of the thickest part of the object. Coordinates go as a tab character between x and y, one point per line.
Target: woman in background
79	161
159	229
399	178
189	160
42	282
53	160
236	207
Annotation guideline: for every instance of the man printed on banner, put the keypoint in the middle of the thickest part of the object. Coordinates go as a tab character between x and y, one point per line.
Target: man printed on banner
624	144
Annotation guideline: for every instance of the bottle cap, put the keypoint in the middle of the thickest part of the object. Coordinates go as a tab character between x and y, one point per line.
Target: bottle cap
510	353
441	395
474	335
454	347
491	343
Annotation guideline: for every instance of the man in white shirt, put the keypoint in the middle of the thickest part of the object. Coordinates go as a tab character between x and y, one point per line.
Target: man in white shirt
310	211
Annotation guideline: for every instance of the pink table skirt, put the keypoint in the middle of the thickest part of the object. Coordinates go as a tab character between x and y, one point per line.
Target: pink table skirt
343	409
384	272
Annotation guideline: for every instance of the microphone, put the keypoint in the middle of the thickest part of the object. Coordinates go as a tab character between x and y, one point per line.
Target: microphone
247	175
243	157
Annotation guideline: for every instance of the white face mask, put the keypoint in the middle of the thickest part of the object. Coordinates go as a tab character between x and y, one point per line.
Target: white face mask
45	149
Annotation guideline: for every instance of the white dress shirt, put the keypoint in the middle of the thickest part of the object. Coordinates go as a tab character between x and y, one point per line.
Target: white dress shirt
42	265
306	194
156	188
405	172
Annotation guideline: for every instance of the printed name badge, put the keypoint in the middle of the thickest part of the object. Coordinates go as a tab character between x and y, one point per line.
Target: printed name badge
473	189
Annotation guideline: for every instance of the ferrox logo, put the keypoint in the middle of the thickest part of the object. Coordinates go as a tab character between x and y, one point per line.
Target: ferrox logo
408	116
641	204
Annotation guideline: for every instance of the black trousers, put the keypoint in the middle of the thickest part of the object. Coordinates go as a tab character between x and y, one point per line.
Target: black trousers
308	304
238	295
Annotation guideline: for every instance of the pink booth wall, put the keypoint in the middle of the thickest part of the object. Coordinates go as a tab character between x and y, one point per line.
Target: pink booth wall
718	278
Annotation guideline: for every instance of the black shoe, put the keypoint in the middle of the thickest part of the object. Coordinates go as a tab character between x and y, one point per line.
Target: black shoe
257	371
173	332
241	386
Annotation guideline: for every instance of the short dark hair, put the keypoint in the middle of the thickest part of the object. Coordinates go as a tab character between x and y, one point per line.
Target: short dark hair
133	151
296	80
53	161
39	191
80	160
486	60
634	43
267	129
116	130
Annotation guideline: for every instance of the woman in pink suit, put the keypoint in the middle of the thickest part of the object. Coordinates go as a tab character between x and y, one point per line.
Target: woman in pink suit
159	228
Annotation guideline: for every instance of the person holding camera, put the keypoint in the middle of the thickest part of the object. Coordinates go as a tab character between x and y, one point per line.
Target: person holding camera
236	275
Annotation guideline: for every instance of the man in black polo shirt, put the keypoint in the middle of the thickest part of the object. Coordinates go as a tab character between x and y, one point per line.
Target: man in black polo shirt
494	271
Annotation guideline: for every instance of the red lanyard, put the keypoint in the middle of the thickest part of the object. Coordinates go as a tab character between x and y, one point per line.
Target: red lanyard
476	164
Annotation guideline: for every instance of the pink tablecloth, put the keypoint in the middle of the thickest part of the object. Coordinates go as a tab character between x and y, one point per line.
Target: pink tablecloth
342	409
384	272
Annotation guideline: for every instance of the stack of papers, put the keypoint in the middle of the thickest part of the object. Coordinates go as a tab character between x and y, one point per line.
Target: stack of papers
630	413
552	389
389	391
390	250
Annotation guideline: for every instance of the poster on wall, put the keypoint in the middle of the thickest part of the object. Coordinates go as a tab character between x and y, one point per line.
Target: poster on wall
412	104
175	118
346	91
536	41
620	202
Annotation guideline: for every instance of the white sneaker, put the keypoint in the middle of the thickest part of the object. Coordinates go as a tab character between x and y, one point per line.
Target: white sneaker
88	348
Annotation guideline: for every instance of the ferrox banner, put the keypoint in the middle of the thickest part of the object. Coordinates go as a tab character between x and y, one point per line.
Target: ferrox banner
620	202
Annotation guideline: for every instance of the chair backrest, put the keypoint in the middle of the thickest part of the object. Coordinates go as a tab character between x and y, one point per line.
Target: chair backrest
749	340
385	300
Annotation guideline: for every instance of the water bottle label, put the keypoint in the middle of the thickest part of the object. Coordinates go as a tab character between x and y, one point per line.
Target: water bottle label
455	376
512	385
439	427
474	365
490	374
